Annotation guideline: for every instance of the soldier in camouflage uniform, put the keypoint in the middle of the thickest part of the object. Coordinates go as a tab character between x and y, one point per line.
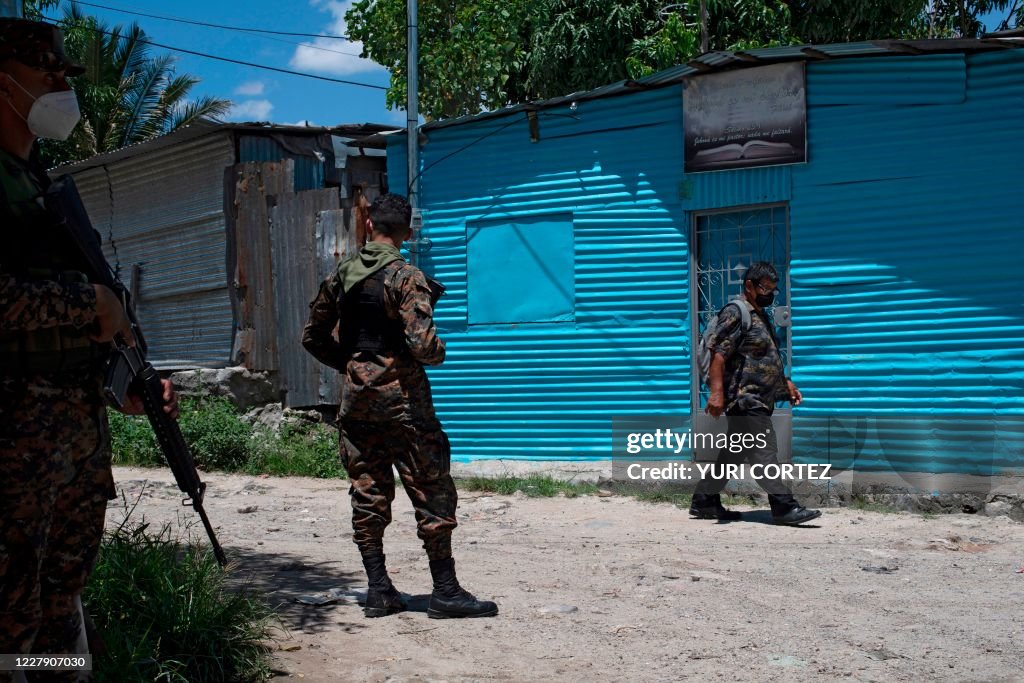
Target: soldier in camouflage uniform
382	308
55	476
747	377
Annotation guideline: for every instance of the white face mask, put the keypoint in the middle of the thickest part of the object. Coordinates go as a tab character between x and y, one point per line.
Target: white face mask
53	115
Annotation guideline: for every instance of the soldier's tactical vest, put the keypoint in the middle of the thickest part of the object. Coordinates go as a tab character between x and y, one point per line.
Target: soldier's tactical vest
35	249
365	325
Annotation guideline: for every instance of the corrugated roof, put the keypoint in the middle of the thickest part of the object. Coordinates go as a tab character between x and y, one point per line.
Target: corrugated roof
207	127
724	60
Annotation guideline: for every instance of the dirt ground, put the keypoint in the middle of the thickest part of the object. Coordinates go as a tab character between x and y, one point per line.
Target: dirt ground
611	589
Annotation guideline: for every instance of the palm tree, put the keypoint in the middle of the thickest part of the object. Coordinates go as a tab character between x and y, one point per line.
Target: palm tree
126	95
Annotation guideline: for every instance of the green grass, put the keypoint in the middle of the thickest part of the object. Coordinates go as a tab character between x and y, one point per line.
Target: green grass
165	613
534	486
220	440
543	486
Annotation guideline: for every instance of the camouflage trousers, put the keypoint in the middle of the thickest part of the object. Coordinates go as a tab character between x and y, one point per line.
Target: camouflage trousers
422	456
55	481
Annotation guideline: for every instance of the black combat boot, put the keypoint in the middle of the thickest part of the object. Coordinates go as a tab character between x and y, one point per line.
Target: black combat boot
450	600
382	598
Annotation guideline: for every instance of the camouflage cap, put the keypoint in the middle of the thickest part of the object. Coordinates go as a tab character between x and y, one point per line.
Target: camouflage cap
36	44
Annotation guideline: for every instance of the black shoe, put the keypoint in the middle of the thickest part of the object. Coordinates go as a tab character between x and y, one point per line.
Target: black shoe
449	600
382	598
797	515
381	603
704	506
718	512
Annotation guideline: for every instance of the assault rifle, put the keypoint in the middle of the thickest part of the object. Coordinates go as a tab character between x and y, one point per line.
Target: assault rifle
127	367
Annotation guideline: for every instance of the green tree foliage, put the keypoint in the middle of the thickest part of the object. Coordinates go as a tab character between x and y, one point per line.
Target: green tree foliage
127	95
579	44
732	25
483	54
963	17
837	21
472	52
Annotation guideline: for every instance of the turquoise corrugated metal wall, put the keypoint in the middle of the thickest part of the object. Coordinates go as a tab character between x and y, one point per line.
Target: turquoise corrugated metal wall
549	390
905	231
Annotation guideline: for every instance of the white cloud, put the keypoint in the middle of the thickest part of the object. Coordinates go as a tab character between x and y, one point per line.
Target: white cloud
304	122
251	110
323	55
250	88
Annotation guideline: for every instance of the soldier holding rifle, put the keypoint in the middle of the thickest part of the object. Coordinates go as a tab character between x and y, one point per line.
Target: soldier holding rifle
56	328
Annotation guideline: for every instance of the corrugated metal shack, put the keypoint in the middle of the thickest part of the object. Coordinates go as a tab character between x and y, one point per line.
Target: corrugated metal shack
581	258
224	232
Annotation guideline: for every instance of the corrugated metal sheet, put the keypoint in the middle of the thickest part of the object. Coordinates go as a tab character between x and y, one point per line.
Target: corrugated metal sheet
335	241
926	79
165	212
309	171
255	344
904	296
550	390
905	235
296	276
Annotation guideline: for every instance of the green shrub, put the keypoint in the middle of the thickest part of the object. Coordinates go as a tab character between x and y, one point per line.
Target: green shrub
212	428
303	450
220	440
165	613
132	441
214	431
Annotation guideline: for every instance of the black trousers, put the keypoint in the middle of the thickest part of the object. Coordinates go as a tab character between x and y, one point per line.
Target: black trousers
749	427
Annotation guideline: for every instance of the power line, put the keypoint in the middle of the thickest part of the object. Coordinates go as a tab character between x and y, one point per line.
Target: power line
235	61
309	46
203	23
461	149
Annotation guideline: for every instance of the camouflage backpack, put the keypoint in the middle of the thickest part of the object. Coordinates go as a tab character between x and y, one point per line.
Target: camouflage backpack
703	353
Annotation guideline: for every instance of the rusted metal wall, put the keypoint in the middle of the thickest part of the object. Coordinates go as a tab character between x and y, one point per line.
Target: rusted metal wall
296	278
336	240
249	259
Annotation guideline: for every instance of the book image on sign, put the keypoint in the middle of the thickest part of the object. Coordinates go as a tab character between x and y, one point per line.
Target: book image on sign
752	149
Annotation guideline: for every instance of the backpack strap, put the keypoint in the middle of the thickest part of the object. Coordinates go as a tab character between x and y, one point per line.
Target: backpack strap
744	307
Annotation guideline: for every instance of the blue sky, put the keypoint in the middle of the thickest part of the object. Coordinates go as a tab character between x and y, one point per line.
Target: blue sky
260	95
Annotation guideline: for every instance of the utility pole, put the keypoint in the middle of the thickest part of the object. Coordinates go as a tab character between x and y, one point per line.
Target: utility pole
412	116
703	26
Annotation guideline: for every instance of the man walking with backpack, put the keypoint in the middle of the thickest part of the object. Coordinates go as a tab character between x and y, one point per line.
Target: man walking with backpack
746	377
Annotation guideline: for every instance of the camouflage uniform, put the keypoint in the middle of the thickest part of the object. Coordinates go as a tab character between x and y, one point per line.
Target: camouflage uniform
754	376
754	379
387	415
55	476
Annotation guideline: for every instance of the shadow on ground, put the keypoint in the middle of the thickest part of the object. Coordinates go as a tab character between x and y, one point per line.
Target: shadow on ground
290	583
